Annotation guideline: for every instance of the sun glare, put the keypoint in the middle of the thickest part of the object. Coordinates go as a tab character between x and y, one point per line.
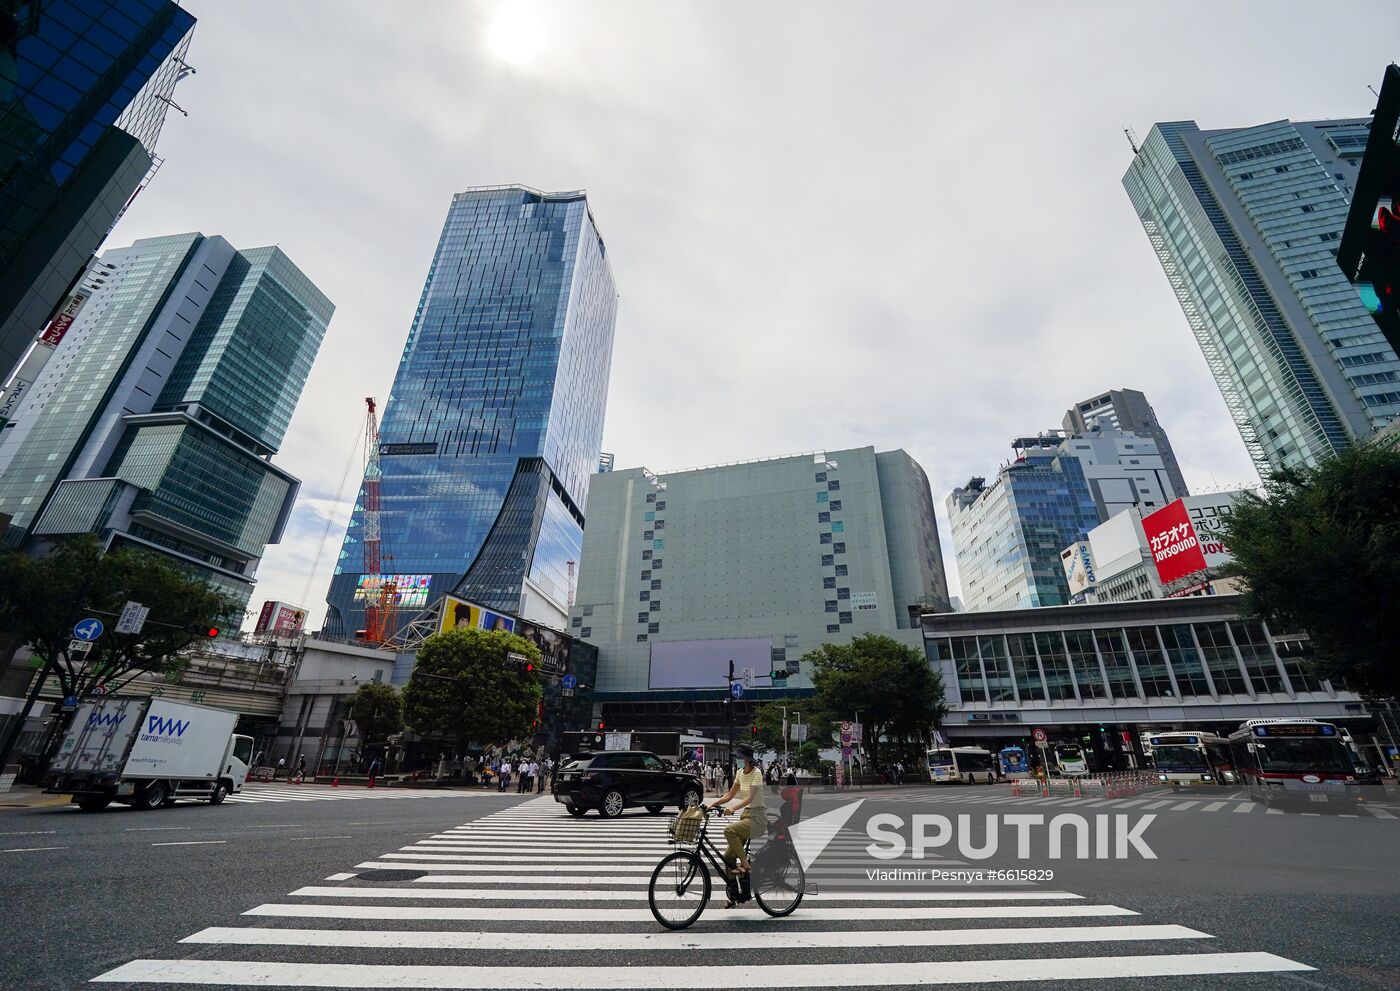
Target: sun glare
516	35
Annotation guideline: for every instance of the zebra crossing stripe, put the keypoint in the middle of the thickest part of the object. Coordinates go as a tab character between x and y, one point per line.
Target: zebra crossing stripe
1379	813
264	973
560	858
1245	807
695	940
539	913
1214	807
370	892
611	866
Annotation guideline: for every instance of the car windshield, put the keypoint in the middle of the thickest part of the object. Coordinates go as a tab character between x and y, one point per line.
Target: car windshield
1300	754
1179	757
940	759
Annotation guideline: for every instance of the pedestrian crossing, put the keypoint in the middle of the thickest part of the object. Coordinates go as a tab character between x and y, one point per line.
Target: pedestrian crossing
257	794
1153	802
460	908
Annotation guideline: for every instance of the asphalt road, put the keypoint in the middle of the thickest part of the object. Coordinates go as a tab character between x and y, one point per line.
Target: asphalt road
528	897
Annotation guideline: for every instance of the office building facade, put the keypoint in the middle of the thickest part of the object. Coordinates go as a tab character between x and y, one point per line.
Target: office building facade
757	562
1127	410
82	100
1246	223
1008	536
494	424
1101	674
155	423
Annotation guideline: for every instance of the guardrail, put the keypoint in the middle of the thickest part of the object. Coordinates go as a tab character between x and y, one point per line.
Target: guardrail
1109	784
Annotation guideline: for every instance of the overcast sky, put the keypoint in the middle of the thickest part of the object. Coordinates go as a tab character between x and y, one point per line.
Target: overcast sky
832	224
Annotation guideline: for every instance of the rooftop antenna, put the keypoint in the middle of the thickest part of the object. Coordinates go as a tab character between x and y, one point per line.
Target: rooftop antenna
1373	91
1132	139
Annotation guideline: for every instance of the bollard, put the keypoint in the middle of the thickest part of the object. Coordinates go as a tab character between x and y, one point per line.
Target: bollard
335	781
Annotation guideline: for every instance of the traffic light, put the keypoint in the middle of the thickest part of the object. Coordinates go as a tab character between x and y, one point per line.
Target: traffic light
203	630
753	730
601	727
518	662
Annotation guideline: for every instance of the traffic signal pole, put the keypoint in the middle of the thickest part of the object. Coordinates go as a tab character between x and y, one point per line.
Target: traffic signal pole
729	712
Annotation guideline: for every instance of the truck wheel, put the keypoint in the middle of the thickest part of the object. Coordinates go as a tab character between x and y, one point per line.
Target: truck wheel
94	803
219	793
153	797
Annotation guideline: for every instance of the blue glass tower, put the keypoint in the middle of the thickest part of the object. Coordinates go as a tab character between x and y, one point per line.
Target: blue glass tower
495	420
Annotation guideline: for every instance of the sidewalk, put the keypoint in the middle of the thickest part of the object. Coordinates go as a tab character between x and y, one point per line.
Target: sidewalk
30	797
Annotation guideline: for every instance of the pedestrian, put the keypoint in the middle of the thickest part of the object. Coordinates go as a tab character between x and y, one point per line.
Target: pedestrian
301	768
373	771
504	783
281	765
750	810
544	772
257	761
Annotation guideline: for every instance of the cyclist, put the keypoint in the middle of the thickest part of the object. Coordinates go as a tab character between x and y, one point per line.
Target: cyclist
748	789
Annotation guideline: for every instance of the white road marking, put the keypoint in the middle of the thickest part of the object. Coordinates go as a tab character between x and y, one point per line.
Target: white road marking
1274	812
345	837
263	973
32	832
191	843
611	867
1184	806
154	829
964	893
561	859
342	876
537	914
1379	813
32	849
1214	807
1245	807
1157	805
695	940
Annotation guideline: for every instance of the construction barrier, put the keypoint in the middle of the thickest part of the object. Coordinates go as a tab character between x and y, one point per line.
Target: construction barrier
1108	784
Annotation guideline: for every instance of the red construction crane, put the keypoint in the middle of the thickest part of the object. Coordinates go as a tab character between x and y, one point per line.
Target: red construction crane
381	595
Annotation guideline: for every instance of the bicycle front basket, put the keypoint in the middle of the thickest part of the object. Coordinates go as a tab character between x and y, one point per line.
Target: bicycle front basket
685	829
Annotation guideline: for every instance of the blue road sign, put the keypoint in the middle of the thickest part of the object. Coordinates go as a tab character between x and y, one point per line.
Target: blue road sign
569	681
69	701
736	688
88	629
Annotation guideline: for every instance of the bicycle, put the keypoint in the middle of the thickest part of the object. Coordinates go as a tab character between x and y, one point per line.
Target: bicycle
680	885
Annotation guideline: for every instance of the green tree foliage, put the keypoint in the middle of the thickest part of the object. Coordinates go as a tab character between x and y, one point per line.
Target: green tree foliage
898	695
377	710
769	720
1319	553
42	598
461	689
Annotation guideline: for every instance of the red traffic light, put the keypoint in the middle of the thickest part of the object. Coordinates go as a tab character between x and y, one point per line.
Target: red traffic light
600	726
203	630
753	730
529	668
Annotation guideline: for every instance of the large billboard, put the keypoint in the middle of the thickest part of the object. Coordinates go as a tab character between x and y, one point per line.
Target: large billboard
705	663
281	619
410	591
1208	514
1079	567
459	613
1172	541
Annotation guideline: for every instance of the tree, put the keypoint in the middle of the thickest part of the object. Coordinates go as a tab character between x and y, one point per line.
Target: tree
897	693
1319	553
769	720
43	598
377	710
462	688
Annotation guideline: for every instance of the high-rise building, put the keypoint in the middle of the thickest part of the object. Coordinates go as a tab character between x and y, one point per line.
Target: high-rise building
1008	536
1127	410
155	423
1246	222
605	461
1369	254
494	425
84	89
757	562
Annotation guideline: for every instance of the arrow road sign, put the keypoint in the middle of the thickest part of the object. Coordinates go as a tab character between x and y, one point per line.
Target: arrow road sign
736	689
88	629
569	681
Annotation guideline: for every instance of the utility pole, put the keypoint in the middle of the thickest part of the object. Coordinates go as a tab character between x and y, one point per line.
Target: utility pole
729	711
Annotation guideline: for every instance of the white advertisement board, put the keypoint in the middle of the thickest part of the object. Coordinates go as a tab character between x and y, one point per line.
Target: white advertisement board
176	740
705	663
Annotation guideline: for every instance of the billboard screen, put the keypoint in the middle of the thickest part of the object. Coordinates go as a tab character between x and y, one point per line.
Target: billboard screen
411	590
705	663
553	645
52	335
281	619
1176	551
461	613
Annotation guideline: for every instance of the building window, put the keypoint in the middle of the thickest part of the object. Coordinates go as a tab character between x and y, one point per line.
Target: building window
1307	208
588	610
821	497
838	527
833	485
651	497
841	571
656	564
998	671
1084	663
1059	682
830	605
587	631
838	548
576	622
641	638
1329	236
648	534
845	617
646	575
643	596
961	652
655	605
828	583
649	516
825	538
660	524
833	628
1185	660
1150	661
643	617
1024	667
823	517
653	627
1116	664
821	476
835	505
658	544
1220	659
655	584
646	555
1258	656
1308	273
843	593
827	560
660	506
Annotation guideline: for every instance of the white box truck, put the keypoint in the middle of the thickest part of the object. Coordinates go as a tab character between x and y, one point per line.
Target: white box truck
149	752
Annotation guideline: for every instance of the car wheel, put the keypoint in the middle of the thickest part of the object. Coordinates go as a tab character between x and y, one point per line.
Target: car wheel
690	798
219	793
153	797
576	811
655	809
613	804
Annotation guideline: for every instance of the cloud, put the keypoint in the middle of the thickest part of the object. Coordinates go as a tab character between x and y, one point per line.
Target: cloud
831	224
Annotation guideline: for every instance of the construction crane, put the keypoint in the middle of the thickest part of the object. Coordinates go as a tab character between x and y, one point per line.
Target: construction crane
381	595
571	585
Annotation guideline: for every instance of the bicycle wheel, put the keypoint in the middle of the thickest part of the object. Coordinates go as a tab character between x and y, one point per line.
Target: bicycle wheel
679	889
778	880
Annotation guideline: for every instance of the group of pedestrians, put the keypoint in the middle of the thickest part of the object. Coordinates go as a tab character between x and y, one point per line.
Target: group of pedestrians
530	775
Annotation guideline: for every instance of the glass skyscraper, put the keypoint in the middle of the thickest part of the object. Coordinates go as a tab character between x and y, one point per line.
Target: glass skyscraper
1246	223
84	89
494	424
156	420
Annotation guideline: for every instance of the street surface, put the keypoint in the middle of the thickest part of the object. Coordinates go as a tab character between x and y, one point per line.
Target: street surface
353	888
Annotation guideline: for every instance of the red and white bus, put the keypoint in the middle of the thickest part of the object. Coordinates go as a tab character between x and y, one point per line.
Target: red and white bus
1295	760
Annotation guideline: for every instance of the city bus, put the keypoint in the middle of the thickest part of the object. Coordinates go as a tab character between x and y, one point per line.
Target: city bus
1071	760
1190	757
969	764
1295	760
1013	761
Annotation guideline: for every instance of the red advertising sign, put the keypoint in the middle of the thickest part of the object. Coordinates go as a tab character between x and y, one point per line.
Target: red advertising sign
1172	539
59	325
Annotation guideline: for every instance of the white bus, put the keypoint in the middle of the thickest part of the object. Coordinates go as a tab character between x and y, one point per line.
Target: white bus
1190	757
961	764
1071	760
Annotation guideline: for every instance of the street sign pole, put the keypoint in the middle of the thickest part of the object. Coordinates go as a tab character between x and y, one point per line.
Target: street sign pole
729	711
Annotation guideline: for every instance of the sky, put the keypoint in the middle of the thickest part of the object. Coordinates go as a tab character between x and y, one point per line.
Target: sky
832	224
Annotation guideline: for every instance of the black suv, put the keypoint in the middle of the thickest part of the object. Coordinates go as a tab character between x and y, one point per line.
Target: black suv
623	779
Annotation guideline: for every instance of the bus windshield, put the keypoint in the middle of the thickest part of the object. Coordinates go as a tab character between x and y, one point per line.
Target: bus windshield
1180	757
1300	753
940	758
1070	753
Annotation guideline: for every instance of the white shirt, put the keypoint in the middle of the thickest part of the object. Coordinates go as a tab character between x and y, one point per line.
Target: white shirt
505	767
